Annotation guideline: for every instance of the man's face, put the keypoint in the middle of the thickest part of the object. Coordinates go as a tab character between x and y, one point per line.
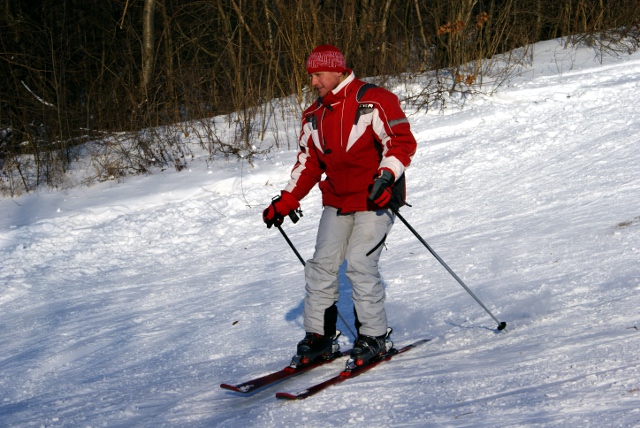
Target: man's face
325	81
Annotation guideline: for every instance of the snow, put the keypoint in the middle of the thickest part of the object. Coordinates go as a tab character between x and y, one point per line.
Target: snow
126	304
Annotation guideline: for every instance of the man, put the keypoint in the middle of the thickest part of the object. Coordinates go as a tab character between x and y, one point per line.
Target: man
358	137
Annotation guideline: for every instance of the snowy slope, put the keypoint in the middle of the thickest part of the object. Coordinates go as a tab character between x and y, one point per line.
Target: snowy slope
127	304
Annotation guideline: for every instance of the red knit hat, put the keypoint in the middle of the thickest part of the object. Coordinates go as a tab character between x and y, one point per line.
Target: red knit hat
326	58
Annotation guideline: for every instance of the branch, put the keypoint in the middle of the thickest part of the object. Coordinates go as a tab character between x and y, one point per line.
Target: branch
37	97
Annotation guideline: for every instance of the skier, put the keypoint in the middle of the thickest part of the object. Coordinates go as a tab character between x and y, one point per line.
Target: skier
358	137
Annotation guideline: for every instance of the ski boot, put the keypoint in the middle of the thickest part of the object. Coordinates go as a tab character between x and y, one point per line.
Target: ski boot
316	347
367	348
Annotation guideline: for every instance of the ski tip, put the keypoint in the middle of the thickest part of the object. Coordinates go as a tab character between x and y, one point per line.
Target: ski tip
419	342
227	386
287	396
230	387
235	388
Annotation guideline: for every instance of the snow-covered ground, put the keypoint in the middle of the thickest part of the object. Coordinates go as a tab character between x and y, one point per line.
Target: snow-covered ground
127	304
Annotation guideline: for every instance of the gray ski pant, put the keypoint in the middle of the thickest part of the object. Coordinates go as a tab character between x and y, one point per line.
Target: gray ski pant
357	238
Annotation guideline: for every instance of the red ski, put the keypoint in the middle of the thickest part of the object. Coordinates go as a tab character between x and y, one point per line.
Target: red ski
347	374
285	373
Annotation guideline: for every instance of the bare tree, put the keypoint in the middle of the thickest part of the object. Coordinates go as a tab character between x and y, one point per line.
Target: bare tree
148	42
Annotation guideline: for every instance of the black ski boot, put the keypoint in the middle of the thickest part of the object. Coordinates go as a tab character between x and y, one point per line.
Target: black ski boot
367	347
314	347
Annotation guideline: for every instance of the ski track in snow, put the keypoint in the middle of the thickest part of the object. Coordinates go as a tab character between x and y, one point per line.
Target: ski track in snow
127	304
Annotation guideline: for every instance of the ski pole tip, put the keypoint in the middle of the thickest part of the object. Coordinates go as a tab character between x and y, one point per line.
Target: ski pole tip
502	326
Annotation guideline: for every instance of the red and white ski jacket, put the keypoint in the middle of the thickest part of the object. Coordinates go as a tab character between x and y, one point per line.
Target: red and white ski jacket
348	140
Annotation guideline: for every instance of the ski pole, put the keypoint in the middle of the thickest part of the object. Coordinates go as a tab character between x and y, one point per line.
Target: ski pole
286	238
501	325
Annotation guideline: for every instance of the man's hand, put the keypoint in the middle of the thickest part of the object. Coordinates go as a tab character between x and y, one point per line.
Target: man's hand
382	187
280	207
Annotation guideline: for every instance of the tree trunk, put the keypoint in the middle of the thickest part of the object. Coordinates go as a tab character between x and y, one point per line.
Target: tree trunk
148	42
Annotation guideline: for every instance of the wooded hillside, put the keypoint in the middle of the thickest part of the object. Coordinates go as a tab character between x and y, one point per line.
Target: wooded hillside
75	70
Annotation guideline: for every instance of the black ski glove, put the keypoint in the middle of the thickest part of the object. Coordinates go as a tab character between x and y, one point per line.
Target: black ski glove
382	187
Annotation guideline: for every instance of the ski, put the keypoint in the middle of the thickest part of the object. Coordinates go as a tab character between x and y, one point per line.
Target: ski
348	373
280	375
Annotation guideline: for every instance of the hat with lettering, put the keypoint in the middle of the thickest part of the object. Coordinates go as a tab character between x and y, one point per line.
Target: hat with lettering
326	58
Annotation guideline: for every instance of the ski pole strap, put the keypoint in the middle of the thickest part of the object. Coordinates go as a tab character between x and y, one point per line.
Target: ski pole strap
293	215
